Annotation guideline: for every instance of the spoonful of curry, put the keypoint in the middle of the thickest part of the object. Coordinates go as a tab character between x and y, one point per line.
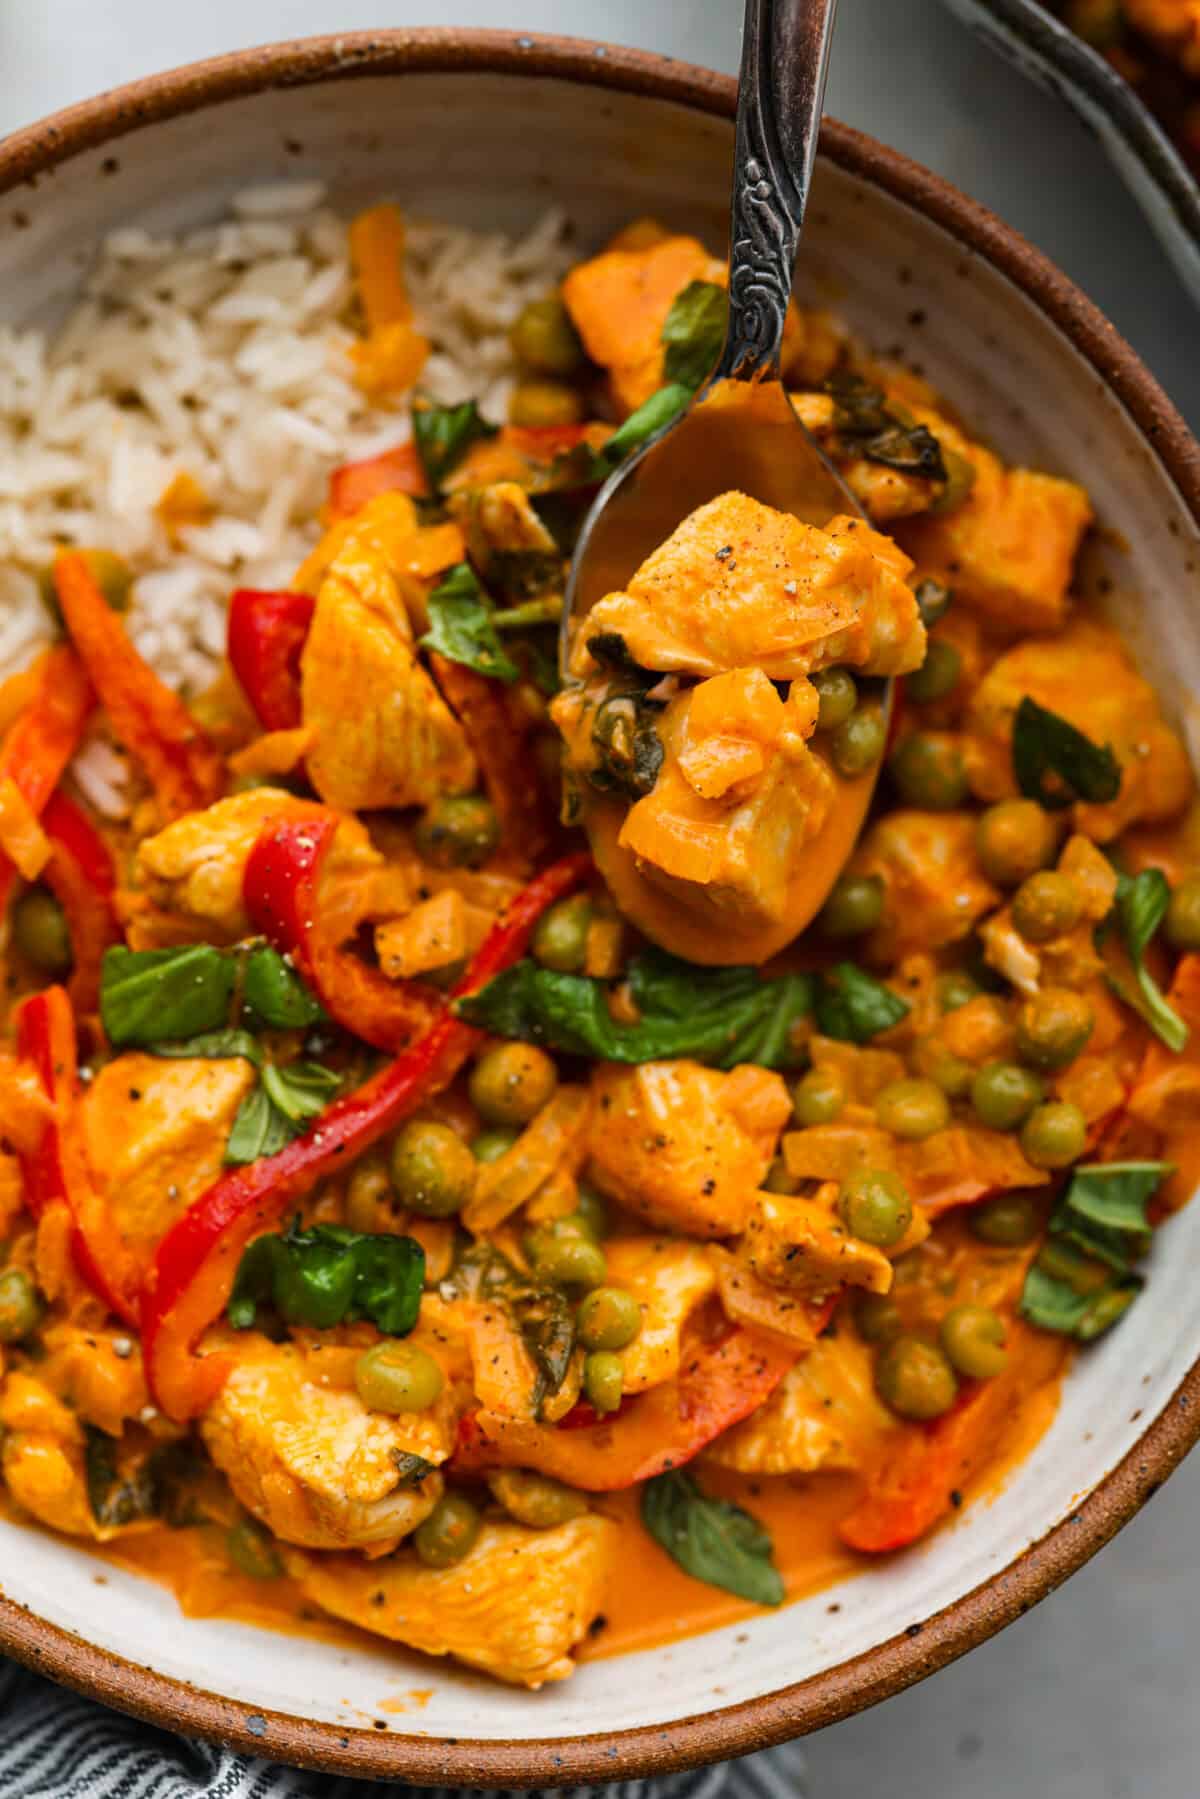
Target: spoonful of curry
733	621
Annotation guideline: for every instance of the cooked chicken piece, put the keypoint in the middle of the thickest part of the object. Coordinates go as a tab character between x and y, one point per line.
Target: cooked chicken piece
1009	550
515	1605
669	1278
312	1462
436	934
155	1130
1069	960
771	1311
823	1415
883	491
42	1456
389	527
933	889
384	735
98	1373
194	868
1086	676
802	1244
685	1146
740	585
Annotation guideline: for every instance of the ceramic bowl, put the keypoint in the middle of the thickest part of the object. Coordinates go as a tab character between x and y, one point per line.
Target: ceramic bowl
1041	46
489	129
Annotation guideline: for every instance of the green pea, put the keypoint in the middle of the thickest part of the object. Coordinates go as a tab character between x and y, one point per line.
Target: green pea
928	772
1013	840
397	1377
837	696
875	1207
818	1097
609	1318
912	1109
973	1339
20	1306
511	1082
433	1171
1008	1222
1053	1026
937	676
1104	1311
534	1499
603	1380
449	1532
777	1179
458	831
368	1191
914	1379
1054	1136
954	989
544	339
1003	1094
561	1252
877	1317
39	931
560	941
854	907
489	1146
1046	905
252	1551
941	1066
592	1212
857	743
537	404
1183	915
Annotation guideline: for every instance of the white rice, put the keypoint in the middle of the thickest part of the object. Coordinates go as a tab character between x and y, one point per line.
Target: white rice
222	354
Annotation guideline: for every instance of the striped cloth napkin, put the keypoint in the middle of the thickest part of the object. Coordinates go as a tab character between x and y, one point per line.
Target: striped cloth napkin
54	1745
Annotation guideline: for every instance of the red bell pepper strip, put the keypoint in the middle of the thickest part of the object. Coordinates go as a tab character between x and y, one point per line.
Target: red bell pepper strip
394	471
82	878
184	768
195	1263
44	739
921	1479
720	1384
281	889
265	640
56	1172
500	741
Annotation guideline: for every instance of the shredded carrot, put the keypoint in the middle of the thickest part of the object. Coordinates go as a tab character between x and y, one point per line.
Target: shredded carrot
377	257
275	753
22	838
389	360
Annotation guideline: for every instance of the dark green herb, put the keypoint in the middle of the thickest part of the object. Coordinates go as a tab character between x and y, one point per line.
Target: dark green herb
328	1276
583	466
1056	765
444	434
933	601
628	749
1141	906
274	997
712	1539
281	1106
117	1497
412	1469
152	994
694	332
1083	1280
461	626
213	1046
865	425
541	1312
855	1007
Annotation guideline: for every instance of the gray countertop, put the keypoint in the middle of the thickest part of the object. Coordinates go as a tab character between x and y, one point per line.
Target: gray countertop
1093	1696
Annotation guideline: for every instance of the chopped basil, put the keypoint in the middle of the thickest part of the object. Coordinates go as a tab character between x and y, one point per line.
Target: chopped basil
867	428
542	1313
117	1495
694	332
281	1106
273	995
152	994
712	1539
328	1276
854	1006
213	1046
444	434
582	466
462	627
722	1016
1056	765
1141	906
1083	1280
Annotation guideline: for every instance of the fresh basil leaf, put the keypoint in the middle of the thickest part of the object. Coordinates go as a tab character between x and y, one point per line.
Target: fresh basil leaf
213	1046
253	1281
444	434
712	1539
862	419
274	997
328	1275
148	995
649	418
628	749
1114	1194
1141	906
722	1016
259	1129
412	1469
461	627
694	332
389	1277
540	1312
854	1007
1051	1303
1055	764
300	1090
117	1496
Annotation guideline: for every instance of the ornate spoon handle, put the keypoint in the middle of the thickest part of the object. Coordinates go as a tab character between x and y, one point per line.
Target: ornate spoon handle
785	57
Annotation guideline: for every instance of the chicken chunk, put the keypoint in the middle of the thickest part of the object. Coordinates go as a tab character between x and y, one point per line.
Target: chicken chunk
933	888
516	1605
685	1146
312	1462
1009	550
802	1244
384	737
740	585
155	1131
42	1456
669	1278
823	1415
98	1373
508	542
1087	677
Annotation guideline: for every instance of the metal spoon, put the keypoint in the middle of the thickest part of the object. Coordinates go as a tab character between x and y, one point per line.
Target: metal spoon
740	431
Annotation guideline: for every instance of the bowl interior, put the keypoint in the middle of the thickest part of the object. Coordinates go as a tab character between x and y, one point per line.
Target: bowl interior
494	149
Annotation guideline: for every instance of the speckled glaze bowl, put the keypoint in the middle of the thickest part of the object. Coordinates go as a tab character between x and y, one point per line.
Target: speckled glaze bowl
489	129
